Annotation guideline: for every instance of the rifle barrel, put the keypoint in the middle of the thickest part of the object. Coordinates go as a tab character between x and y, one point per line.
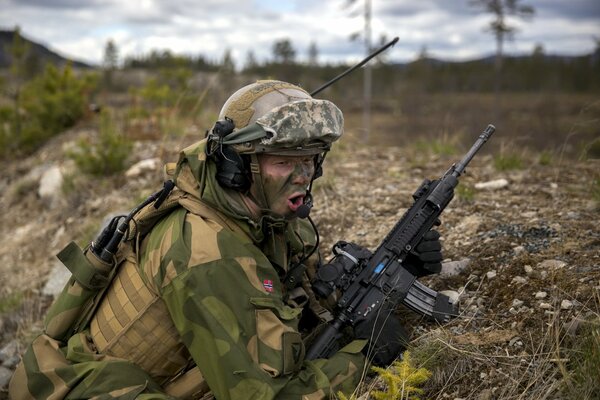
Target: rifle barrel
462	164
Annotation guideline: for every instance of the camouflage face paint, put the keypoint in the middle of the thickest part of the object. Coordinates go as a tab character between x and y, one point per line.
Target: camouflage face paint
285	180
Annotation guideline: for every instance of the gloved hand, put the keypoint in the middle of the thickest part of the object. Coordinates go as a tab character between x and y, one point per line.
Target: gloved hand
386	335
426	258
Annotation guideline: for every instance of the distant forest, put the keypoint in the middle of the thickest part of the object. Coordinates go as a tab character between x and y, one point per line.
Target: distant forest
535	72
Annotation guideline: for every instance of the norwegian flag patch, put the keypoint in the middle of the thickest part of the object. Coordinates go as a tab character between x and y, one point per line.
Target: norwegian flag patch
268	285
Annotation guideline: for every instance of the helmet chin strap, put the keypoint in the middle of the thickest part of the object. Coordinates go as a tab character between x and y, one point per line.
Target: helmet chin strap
304	210
257	181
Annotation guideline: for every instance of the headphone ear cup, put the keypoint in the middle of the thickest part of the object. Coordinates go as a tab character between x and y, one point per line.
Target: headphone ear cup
232	170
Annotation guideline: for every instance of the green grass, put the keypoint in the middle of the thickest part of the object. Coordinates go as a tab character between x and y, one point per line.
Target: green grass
444	146
508	162
10	302
584	363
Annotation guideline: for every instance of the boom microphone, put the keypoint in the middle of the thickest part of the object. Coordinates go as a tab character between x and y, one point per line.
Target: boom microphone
304	210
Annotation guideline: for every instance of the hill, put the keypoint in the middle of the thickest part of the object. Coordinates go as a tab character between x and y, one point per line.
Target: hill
38	55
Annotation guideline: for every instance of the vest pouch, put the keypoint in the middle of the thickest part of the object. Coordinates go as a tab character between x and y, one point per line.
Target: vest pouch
72	307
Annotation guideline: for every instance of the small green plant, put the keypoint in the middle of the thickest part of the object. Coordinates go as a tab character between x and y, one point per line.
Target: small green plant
342	396
402	380
10	302
108	154
545	158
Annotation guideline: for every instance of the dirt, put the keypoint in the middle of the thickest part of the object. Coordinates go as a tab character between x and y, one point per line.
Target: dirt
533	250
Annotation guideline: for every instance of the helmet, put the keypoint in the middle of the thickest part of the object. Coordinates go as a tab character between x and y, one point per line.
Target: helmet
272	117
279	118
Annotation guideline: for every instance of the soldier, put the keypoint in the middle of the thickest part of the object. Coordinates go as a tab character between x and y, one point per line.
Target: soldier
215	299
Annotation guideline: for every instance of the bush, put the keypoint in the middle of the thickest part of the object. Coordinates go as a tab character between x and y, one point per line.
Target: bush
108	154
46	106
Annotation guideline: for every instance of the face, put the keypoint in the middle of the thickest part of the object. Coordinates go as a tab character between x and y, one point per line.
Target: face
285	180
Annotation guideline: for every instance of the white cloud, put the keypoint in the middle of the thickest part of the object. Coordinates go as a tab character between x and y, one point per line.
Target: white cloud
209	27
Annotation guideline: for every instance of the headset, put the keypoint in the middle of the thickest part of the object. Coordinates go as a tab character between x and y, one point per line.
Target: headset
233	169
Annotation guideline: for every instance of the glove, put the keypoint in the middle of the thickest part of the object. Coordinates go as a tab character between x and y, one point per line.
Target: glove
387	337
426	258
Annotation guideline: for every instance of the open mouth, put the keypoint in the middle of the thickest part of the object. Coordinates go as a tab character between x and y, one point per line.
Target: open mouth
295	201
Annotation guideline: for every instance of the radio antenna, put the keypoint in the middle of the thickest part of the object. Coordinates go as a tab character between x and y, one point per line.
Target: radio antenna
363	62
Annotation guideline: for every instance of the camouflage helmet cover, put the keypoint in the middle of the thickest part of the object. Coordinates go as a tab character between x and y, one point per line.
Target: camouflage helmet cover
280	118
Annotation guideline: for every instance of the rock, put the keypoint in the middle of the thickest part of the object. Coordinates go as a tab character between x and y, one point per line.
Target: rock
57	236
51	183
492	185
516	342
453	268
551	264
5	375
545	306
8	351
453	295
519	280
541	295
148	165
528	270
566	305
491	274
517	303
485	394
519	250
59	275
12	362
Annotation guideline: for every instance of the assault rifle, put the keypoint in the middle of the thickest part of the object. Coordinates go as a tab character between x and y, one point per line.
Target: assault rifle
365	280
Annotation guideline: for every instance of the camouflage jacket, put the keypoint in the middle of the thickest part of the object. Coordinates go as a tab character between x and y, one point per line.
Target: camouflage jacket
218	278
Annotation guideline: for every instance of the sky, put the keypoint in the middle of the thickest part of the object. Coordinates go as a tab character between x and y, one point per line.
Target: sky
447	29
